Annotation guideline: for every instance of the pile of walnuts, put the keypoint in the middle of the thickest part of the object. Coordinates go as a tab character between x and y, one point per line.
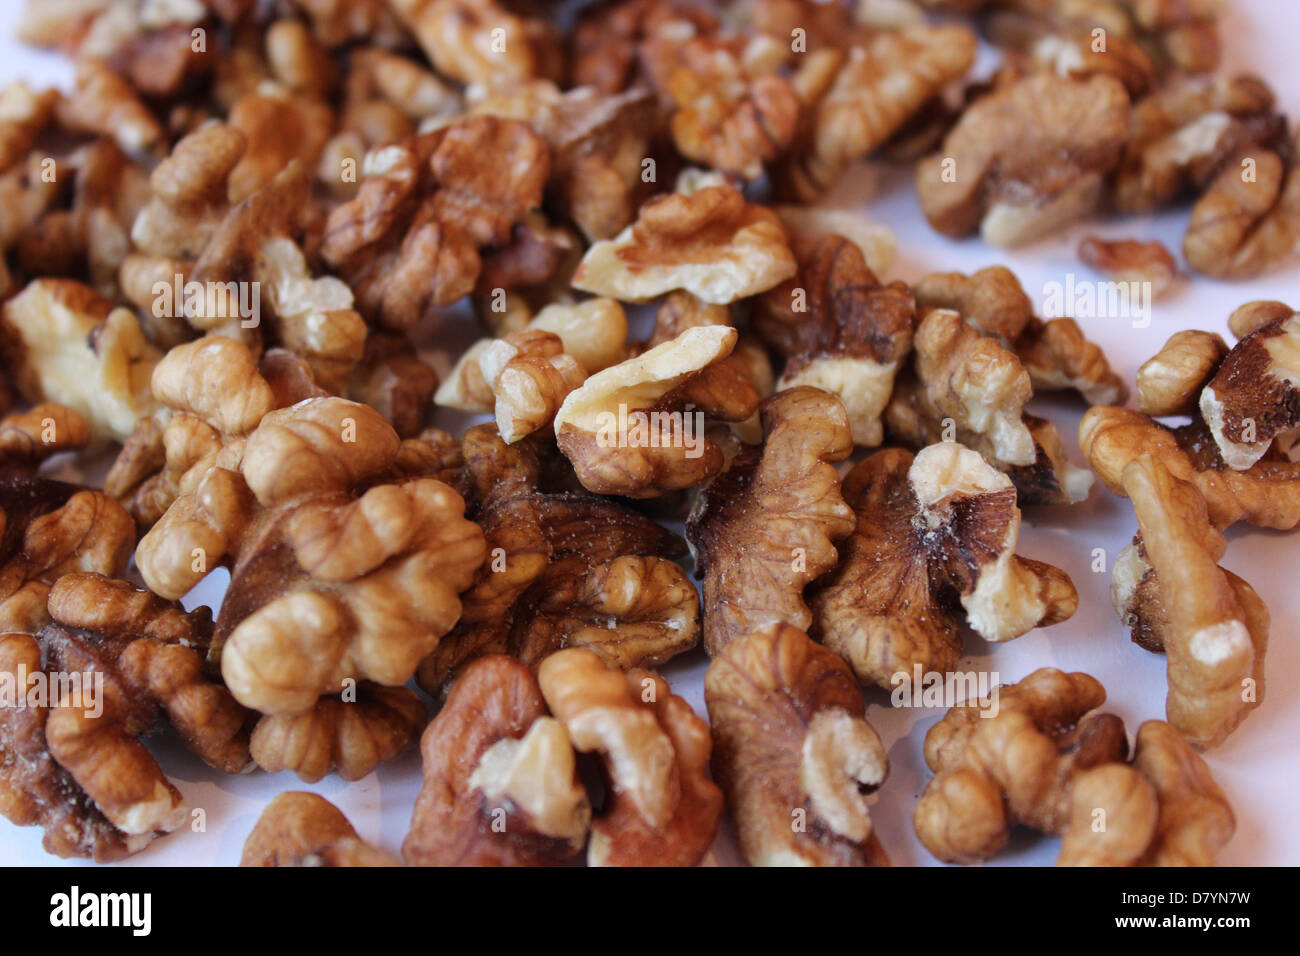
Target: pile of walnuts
223	248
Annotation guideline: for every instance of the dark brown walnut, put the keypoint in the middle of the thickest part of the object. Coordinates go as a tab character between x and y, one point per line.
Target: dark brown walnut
1013	765
392	379
1267	494
793	752
766	527
1248	220
1253	399
427	207
303	829
1026	160
618	45
51	529
121	661
934	546
563	570
661	807
35	790
500	777
842	330
30	437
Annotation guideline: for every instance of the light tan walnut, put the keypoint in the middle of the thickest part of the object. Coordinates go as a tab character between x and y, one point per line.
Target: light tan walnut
501	784
992	300
351	734
327	554
1170	382
630	429
471	40
80	351
303	829
1027	159
30	437
1163	809
1057	355
711	243
1267	494
876	86
841	330
1249	219
766	527
1013	764
1255	315
941	525
662	808
1253	399
105	104
564	570
1214	627
794	752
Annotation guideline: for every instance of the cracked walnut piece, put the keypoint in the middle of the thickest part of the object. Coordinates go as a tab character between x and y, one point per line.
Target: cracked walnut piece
792	746
662	809
711	243
1162	809
1016	764
935	543
50	529
303	829
1254	397
501	785
1266	495
765	528
849	336
1170	382
566	570
630	429
78	350
327	555
30	437
1212	625
1026	160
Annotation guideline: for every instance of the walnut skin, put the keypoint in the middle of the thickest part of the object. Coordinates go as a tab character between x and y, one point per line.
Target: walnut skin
941	525
303	829
500	777
851	337
1029	158
1213	626
711	243
765	528
1017	767
790	735
662	808
564	570
1266	495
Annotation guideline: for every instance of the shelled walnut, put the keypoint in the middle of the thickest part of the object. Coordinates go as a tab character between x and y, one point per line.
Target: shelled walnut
794	752
501	779
766	527
303	829
1041	760
935	543
564	570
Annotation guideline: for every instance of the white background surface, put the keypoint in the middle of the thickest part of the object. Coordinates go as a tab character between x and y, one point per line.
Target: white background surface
1258	767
